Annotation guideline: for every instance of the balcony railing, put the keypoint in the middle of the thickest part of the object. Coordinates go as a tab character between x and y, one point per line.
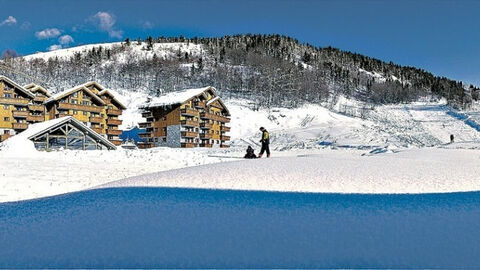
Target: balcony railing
114	122
15	101
225	138
35	118
145	145
114	112
116	142
215	117
188	145
39	99
37	108
145	135
147	114
78	107
188	111
206	135
200	104
20	114
205	125
3	137
189	123
114	132
96	119
224	129
224	146
144	124
189	134
99	130
209	145
19	125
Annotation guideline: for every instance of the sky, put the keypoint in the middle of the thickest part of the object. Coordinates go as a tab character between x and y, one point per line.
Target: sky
440	36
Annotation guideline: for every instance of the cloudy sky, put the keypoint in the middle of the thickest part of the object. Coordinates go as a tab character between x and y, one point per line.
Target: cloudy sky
439	36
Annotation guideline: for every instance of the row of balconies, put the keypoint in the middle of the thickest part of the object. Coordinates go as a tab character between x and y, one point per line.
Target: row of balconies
87	108
219	118
14	101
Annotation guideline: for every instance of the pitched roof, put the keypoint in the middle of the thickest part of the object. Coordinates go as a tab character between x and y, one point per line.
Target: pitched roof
28	93
35	88
217	98
114	97
176	97
37	129
70	91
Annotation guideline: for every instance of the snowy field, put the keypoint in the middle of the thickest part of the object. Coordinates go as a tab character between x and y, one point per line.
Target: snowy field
397	149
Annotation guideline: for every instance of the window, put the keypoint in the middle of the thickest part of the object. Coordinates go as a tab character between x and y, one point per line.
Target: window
74	101
164	139
6	107
85	113
8	95
85	102
75	94
164	118
6	119
75	112
6	131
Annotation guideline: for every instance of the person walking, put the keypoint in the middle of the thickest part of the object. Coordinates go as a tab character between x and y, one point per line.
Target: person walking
265	142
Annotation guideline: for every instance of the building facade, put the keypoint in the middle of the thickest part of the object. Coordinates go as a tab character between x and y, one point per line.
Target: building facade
91	103
190	118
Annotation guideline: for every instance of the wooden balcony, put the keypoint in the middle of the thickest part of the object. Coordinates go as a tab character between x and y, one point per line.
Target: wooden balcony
225	129
40	99
14	101
215	117
189	123
114	112
206	125
78	107
20	114
114	122
36	108
144	145
19	125
99	130
190	112
96	119
116	132
225	138
189	134
3	137
206	135
224	146
199	104
145	135
35	118
144	124
188	145
116	142
209	145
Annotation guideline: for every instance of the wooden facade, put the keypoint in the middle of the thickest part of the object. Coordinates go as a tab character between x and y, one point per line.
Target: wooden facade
93	105
90	103
198	121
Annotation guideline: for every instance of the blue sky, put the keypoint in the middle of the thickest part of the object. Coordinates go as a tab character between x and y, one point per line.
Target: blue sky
439	36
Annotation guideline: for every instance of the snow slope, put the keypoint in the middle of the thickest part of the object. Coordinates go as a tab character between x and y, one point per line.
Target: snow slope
409	171
191	228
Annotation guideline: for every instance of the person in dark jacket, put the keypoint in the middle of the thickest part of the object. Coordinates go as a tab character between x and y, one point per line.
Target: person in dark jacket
265	142
250	153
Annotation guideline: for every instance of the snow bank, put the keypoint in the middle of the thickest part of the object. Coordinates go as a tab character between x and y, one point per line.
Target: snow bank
18	146
184	228
381	171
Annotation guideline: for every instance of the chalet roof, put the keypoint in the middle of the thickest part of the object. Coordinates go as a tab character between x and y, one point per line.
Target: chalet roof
37	88
217	98
28	93
70	91
38	129
114	97
176	97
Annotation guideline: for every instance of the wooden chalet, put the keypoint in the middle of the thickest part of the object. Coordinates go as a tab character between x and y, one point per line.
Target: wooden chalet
189	118
92	104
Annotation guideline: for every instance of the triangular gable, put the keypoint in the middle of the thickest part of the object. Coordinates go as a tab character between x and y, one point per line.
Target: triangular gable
37	88
217	102
98	86
69	92
39	129
17	86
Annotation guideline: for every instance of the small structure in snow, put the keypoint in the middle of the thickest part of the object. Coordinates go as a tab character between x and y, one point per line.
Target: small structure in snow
65	133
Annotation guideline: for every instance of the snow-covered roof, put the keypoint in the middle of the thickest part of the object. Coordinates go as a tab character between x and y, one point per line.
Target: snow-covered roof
16	85
35	88
115	96
217	98
176	97
34	130
70	91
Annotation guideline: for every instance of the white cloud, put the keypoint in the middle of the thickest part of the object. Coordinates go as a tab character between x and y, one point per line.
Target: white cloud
147	25
54	47
106	22
9	21
25	25
48	33
65	39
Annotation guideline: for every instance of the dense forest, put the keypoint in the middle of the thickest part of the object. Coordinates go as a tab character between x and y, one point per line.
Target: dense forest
272	70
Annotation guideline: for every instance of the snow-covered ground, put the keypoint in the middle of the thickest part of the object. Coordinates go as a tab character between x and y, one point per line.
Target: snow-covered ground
385	153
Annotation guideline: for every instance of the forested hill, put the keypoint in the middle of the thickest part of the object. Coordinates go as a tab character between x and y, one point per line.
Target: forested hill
270	69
